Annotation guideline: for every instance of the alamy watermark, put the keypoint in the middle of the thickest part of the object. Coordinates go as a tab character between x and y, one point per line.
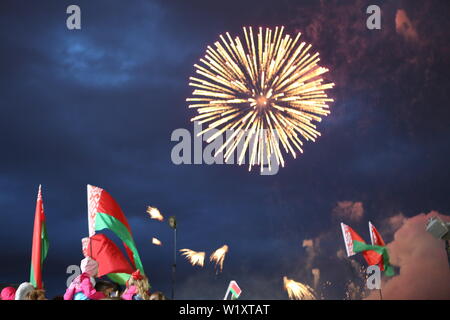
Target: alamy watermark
373	281
74	272
73	22
194	149
373	22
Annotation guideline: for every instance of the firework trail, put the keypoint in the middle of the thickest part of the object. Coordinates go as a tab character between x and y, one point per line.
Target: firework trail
218	257
265	89
154	213
316	274
194	257
156	242
297	290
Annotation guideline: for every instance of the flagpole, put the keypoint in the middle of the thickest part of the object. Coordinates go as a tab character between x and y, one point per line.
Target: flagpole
174	267
173	225
226	293
381	295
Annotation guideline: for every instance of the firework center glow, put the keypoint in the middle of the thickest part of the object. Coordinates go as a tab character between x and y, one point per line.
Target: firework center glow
262	102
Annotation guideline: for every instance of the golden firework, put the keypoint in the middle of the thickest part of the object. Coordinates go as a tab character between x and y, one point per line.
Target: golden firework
154	213
297	290
218	256
156	242
194	257
261	91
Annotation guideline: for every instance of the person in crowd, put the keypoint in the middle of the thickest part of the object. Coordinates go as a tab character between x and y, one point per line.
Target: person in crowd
137	287
83	286
36	294
8	293
23	291
157	296
109	289
112	298
26	291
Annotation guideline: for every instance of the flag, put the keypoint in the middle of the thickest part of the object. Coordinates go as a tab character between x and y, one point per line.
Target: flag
234	289
375	236
373	254
40	243
108	256
377	240
105	213
349	237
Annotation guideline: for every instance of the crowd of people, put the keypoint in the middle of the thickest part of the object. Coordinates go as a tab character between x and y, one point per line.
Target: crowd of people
86	287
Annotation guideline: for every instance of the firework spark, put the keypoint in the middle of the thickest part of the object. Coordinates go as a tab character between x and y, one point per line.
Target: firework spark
194	257
156	242
218	256
264	90
154	213
297	290
316	274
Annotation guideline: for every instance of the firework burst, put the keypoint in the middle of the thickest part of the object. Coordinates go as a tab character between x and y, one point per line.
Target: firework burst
218	257
265	89
297	290
156	242
154	213
194	257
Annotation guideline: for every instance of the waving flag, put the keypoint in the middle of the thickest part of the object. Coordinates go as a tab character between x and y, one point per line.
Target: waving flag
377	240
234	289
108	256
375	236
40	243
105	213
373	254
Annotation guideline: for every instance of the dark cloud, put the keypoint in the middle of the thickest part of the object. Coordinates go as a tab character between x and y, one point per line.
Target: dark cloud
349	210
99	105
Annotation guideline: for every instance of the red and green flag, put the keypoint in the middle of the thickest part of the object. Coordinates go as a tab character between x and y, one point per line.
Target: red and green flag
234	289
105	213
40	243
377	240
374	254
108	256
375	236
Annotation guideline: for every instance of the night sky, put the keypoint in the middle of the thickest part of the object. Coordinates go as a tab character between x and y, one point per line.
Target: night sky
98	106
